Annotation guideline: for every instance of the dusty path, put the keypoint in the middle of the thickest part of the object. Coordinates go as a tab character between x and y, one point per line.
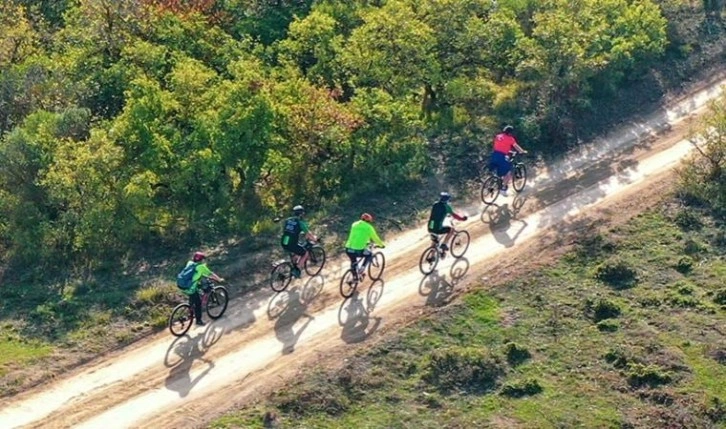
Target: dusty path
163	382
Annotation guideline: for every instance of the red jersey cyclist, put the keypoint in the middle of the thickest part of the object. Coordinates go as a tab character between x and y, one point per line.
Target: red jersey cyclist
504	143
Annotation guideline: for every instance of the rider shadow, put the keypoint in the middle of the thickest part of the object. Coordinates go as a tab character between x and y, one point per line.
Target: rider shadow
280	301
500	223
437	289
354	314
182	353
295	308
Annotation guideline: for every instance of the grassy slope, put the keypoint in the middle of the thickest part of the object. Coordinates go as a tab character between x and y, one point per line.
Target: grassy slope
549	350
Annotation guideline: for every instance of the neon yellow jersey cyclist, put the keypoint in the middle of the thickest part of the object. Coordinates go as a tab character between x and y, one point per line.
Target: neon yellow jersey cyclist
361	233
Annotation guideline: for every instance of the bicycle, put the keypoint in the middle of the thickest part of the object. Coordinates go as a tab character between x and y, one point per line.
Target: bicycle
355	274
492	185
435	252
281	274
214	300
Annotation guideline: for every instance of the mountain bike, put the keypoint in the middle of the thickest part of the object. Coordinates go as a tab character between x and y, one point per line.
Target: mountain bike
281	274
492	185
356	274
433	254
214	300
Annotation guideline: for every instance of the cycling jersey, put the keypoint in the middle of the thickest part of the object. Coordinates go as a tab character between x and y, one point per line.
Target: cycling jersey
438	213
291	231
362	233
504	143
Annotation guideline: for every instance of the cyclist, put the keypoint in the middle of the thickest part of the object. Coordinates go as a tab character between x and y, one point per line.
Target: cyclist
362	232
439	211
201	272
290	239
504	142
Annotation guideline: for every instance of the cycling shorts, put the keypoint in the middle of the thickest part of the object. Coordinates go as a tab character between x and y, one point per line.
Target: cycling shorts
500	163
442	230
295	248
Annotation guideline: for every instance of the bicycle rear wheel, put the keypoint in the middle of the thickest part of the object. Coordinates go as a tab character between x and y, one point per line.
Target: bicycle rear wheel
375	268
429	260
181	319
460	244
315	261
490	189
217	302
519	177
281	276
348	284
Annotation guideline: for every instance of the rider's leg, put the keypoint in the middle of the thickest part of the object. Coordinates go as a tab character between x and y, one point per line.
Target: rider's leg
368	257
302	258
196	302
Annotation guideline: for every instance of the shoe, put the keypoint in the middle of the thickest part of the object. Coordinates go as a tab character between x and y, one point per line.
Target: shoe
200	323
444	247
296	273
504	192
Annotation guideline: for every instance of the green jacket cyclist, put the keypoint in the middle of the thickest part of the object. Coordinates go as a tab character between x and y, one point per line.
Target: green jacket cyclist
362	232
200	273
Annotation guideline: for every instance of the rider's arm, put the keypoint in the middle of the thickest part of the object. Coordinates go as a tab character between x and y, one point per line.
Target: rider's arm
450	211
374	236
519	148
306	229
206	272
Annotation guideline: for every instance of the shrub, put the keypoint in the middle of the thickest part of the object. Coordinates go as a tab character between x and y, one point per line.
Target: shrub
692	247
466	369
640	375
617	357
517	355
608	326
617	273
601	309
522	388
720	297
688	220
684	265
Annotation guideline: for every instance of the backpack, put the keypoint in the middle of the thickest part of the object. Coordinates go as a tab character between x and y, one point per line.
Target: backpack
184	279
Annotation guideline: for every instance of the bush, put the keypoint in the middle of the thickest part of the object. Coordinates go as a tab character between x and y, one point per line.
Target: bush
618	358
608	326
640	375
463	369
617	273
519	389
688	220
517	355
720	297
684	265
601	309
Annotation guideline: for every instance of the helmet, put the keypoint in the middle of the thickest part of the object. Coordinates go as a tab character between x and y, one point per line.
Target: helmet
298	210
366	217
198	256
444	197
508	129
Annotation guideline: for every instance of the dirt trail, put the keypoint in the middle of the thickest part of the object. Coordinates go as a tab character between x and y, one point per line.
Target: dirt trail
163	382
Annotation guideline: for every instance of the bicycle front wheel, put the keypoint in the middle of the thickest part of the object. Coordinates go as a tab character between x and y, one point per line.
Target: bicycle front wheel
315	261
519	177
460	244
181	319
348	284
281	276
217	302
429	260
375	268
490	190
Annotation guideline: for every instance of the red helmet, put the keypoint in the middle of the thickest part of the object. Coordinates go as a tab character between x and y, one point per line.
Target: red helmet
366	217
198	256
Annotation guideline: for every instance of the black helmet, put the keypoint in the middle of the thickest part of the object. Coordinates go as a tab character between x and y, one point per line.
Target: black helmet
444	197
298	210
508	129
